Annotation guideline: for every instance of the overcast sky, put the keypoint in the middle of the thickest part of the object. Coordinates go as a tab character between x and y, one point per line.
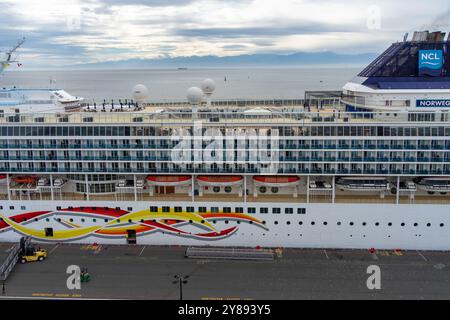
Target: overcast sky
80	31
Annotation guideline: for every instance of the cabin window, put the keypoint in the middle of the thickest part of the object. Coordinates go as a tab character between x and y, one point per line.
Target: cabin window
48	232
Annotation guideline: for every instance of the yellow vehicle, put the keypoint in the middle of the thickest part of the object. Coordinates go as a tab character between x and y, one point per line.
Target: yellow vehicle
32	255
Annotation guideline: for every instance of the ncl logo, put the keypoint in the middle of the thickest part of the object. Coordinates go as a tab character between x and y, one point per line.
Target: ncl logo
430	62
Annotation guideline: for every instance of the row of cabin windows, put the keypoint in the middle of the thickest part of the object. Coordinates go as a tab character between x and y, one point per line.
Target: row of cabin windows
250	210
325	223
319	130
12	208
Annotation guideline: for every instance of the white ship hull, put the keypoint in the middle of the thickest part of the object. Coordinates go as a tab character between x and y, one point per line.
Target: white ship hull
381	226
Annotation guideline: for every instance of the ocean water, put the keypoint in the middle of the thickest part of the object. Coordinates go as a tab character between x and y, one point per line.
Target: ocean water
171	84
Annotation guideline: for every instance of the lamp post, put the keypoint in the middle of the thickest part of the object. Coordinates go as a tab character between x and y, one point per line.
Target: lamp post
180	280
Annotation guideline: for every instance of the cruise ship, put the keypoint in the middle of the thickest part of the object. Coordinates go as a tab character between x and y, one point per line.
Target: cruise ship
365	167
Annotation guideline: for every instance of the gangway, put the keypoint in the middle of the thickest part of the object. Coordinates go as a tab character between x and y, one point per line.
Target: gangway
229	253
12	258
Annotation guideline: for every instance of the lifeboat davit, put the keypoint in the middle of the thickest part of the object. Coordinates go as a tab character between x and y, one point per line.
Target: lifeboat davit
168	180
276	181
220	180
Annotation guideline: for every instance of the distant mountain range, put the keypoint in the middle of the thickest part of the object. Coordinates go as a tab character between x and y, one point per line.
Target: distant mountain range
295	59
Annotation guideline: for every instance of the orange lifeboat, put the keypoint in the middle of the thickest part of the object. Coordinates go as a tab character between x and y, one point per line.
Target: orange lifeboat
276	181
25	179
168	180
220	180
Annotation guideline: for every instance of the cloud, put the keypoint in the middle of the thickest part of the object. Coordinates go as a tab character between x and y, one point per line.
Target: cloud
82	31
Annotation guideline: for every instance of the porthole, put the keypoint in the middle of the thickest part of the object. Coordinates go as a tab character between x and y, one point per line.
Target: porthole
49	219
364	223
402	224
276	222
288	222
390	224
94	220
35	219
325	223
351	223
262	189
216	189
300	222
82	220
377	224
264	222
416	224
428	224
227	189
203	221
313	223
339	223
274	189
238	222
118	220
226	221
251	222
142	220
106	220
129	220
441	225
71	220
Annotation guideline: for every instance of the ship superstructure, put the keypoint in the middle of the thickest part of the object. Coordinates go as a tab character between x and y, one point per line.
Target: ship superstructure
370	168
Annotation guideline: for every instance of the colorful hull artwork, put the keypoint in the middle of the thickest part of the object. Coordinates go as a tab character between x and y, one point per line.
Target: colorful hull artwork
114	223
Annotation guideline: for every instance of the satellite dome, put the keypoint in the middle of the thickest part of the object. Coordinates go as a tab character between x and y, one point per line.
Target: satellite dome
194	95
208	86
140	93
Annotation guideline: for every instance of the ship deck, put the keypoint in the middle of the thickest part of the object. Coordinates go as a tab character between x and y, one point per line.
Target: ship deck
314	198
146	272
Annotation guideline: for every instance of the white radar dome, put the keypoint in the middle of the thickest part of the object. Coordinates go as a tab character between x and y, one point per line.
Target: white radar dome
140	93
208	86
194	95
